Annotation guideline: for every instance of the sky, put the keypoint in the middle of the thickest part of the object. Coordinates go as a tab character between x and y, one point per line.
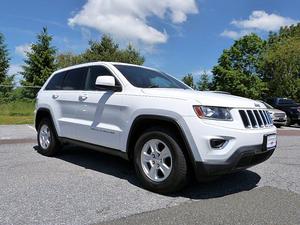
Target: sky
175	36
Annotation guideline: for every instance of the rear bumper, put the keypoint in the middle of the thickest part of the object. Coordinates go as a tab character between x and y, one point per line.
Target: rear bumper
243	158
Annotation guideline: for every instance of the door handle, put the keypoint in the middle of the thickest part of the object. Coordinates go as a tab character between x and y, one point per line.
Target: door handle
55	96
82	97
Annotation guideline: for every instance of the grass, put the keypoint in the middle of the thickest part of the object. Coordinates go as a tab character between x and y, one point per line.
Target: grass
16	113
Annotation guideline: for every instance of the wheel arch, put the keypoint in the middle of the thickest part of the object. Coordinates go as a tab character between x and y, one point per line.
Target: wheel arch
44	113
141	123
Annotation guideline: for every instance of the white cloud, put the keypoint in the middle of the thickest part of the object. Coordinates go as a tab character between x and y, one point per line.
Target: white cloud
235	34
202	71
21	50
129	19
263	21
231	34
258	21
14	69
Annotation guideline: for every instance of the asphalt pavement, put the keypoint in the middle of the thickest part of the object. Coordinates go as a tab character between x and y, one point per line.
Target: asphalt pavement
81	186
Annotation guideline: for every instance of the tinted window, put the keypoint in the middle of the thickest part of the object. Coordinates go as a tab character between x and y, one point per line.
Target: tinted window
285	101
147	78
75	79
56	81
95	71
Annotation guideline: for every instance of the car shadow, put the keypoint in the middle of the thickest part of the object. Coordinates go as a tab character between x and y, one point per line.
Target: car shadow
120	168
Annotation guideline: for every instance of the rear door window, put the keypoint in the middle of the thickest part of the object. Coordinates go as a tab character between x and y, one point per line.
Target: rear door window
56	81
75	79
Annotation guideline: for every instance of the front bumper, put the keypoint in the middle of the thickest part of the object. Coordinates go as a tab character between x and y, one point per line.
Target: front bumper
279	122
242	158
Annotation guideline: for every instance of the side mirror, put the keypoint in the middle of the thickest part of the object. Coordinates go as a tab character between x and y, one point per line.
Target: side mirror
107	82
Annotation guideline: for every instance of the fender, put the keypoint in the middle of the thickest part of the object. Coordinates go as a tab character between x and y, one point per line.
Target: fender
44	111
165	119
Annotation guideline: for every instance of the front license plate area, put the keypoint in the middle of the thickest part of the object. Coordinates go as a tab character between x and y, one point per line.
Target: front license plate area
270	142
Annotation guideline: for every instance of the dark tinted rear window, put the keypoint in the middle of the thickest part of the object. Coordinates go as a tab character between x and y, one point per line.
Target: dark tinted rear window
75	79
56	81
95	71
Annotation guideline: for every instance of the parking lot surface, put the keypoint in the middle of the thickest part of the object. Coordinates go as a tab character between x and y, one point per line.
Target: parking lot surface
81	186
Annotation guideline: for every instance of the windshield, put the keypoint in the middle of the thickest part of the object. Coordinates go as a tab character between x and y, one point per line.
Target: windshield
267	105
285	101
147	78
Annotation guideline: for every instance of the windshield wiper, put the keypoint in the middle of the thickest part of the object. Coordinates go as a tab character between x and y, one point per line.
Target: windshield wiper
153	86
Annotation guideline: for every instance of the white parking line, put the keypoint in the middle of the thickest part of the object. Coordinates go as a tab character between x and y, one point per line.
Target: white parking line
31	127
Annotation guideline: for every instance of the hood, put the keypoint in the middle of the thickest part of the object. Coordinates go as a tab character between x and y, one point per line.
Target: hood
276	111
204	97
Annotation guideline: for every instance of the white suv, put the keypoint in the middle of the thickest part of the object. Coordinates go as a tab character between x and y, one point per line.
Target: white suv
165	128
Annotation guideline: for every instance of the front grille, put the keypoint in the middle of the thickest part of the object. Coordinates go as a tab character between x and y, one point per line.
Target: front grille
279	114
256	118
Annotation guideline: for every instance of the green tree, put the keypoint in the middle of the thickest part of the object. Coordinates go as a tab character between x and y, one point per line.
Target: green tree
4	59
39	64
280	63
6	81
237	70
63	60
108	50
131	55
189	80
204	83
281	68
104	50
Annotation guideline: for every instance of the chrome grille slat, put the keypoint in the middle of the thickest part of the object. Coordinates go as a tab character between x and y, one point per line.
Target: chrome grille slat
255	118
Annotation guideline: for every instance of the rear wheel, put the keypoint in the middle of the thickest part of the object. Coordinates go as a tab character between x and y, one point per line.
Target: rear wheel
48	143
160	162
289	121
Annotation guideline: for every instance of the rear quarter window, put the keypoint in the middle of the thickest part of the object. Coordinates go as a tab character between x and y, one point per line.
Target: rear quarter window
55	82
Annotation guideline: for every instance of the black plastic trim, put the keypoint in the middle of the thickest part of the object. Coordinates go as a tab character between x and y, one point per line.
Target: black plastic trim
98	148
233	163
168	119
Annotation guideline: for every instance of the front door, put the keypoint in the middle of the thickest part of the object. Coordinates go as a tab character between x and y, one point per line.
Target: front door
99	114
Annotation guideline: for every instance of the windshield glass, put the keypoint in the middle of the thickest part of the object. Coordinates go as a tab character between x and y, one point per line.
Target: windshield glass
267	105
285	101
147	78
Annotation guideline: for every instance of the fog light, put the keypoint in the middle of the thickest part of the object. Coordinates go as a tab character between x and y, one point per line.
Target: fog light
217	143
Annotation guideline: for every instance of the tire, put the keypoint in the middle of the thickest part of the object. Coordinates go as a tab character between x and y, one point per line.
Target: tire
46	131
173	179
289	121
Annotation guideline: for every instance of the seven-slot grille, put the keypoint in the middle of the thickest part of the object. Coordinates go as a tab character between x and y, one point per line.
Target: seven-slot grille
256	118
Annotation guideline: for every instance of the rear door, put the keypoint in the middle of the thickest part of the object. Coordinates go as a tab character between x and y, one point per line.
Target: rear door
69	101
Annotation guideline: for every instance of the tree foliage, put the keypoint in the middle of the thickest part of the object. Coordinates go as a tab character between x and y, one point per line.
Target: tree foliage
6	81
39	63
204	83
280	63
104	50
237	70
4	59
189	80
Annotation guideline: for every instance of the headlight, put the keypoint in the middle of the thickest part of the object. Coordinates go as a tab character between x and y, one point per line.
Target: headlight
213	112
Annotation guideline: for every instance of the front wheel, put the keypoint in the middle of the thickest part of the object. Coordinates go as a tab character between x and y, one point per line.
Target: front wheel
289	121
160	162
